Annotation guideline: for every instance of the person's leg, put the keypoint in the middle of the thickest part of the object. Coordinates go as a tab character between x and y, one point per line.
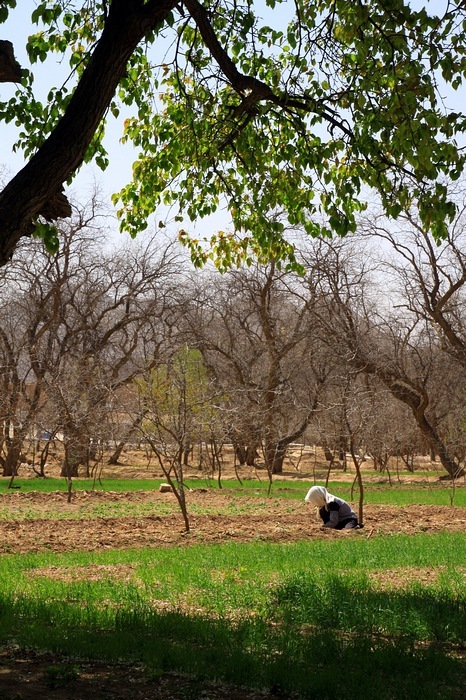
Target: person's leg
351	524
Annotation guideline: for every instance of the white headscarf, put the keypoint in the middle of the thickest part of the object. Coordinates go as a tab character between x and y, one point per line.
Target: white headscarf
318	496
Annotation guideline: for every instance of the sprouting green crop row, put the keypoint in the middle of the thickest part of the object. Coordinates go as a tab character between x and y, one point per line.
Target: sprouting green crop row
354	612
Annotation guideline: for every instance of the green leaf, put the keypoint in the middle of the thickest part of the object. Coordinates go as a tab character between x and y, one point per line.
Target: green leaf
347	103
49	234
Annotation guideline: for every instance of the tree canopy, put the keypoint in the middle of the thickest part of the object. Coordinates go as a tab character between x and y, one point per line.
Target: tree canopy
283	113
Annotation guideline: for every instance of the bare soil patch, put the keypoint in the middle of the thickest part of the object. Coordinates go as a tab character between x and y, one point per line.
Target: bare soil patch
32	675
274	520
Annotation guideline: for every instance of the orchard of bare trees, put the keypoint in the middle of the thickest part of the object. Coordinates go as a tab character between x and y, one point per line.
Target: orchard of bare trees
363	354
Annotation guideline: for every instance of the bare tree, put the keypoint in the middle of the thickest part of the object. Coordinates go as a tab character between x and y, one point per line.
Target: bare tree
253	328
22	325
74	328
430	276
178	399
111	331
399	352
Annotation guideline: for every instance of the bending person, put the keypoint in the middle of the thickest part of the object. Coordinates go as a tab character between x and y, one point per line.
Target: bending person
333	511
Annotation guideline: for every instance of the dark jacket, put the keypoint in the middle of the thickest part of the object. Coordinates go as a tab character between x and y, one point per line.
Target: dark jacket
337	514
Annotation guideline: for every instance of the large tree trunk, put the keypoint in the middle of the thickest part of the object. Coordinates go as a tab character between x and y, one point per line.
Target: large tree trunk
77	451
12	458
37	188
136	425
14	441
274	458
10	70
73	459
116	454
275	451
438	446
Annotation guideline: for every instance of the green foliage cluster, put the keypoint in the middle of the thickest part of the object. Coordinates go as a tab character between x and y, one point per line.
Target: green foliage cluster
282	113
338	120
178	399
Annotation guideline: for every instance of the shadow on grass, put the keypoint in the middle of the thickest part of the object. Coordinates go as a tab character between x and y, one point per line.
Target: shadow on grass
307	643
352	603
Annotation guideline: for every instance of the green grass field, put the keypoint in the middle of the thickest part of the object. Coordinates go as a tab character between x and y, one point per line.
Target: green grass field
245	611
428	494
316	619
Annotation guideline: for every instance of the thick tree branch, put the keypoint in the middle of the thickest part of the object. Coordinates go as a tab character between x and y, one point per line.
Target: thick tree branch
252	90
241	83
10	70
38	185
